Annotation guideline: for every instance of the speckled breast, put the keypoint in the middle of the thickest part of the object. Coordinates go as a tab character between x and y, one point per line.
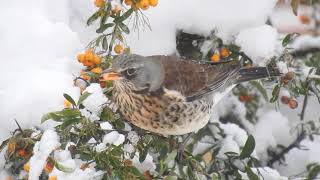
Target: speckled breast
165	114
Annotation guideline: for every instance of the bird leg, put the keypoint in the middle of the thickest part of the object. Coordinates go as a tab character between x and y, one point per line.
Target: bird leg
181	147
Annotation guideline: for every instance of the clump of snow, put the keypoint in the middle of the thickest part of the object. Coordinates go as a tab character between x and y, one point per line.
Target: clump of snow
49	141
94	103
79	174
306	42
259	43
265	173
133	137
272	129
101	147
114	138
128	148
283	67
297	159
146	165
106	126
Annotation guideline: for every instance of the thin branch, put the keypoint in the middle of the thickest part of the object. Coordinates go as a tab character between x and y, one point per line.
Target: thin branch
294	144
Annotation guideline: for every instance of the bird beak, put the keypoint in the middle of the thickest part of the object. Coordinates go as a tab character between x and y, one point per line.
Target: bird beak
110	75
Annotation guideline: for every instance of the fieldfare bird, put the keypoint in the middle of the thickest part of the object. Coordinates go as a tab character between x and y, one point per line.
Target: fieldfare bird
170	96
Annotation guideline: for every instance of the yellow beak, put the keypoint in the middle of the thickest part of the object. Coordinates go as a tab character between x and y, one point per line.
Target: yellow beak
110	75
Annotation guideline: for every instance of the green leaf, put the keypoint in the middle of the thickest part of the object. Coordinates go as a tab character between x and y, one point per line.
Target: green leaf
103	27
3	144
124	28
314	172
143	154
125	16
251	174
248	147
83	97
261	89
93	18
51	115
294	6
171	156
105	43
275	93
288	38
69	98
69	122
70	113
62	167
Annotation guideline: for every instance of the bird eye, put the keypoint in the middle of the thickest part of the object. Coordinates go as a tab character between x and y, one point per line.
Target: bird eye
131	71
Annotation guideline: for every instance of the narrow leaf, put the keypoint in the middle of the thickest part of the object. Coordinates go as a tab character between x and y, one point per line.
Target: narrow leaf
261	89
248	147
83	97
62	168
69	122
103	27
124	28
93	18
69	98
294	6
125	16
3	144
105	43
288	39
251	174
314	172
275	93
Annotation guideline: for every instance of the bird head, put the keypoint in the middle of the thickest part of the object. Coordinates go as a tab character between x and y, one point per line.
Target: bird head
135	71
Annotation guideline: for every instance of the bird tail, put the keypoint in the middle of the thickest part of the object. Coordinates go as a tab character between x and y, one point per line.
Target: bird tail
254	73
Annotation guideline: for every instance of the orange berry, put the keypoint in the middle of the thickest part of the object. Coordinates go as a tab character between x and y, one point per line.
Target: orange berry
81	57
153	3
147	175
143	4
304	19
245	98
26	167
97	70
96	59
85	77
225	52
118	49
23	153
53	178
84	166
66	104
215	57
285	99
11	147
102	84
48	167
128	2
99	3
289	76
293	103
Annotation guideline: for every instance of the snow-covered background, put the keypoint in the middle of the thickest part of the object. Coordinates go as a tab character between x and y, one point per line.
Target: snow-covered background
40	40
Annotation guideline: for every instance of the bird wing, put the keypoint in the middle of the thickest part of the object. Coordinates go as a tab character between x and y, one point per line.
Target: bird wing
195	80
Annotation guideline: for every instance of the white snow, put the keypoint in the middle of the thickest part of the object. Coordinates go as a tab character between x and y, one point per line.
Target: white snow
114	138
106	126
146	165
272	129
95	102
259	43
49	141
266	173
305	42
